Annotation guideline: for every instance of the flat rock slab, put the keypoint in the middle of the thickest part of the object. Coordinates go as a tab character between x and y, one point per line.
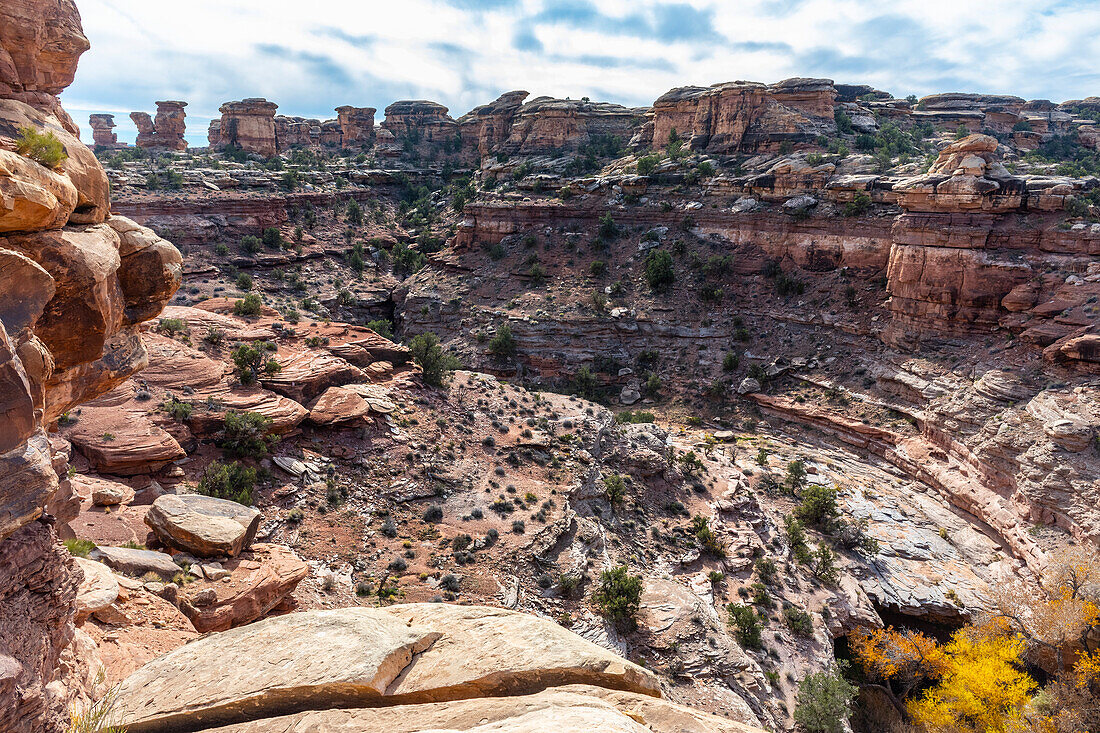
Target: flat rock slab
203	525
357	657
569	709
136	562
97	590
298	661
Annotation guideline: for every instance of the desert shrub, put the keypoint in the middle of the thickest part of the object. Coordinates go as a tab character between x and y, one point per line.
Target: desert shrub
824	702
78	547
658	270
859	204
434	513
730	361
503	344
608	229
614	488
272	238
746	625
798	621
383	327
585	384
244	281
843	121
766	570
598	268
708	540
232	481
250	305
251	244
178	409
619	595
435	363
42	147
252	360
647	164
246	434
818	507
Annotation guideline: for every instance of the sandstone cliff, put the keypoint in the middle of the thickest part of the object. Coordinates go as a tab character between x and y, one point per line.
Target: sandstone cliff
76	284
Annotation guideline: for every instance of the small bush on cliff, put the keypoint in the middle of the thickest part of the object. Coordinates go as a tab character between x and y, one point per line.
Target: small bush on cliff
619	596
382	327
503	344
658	270
246	434
79	548
272	238
608	229
824	702
746	625
859	204
231	481
42	147
436	364
251	244
843	121
647	164
244	281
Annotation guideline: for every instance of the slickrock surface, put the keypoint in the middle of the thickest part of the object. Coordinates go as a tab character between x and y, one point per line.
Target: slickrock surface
397	655
572	708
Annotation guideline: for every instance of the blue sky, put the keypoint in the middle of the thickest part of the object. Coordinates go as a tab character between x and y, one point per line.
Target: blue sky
312	57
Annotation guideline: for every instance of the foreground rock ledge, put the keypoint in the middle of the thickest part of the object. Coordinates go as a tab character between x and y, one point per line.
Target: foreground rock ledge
377	658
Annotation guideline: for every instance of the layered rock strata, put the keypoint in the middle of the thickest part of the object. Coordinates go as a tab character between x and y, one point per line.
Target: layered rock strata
166	132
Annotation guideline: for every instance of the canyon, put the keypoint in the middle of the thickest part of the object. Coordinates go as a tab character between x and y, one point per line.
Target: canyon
345	425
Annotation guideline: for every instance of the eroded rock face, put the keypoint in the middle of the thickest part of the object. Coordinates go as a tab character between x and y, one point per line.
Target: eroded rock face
401	655
545	125
743	116
356	126
73	294
102	130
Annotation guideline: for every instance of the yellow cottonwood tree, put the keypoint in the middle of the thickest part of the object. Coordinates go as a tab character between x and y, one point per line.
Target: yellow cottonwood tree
982	689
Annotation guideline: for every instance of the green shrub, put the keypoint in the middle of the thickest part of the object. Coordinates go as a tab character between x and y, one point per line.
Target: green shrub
598	268
730	361
178	409
42	147
246	434
252	360
824	702
251	244
746	625
843	121
435	363
244	281
798	621
78	547
631	417
172	326
232	481
272	238
585	384
614	488
619	596
859	204
817	507
658	270
608	229
251	305
382	327
647	164
503	344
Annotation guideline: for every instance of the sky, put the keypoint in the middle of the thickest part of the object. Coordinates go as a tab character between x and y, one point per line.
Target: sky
310	57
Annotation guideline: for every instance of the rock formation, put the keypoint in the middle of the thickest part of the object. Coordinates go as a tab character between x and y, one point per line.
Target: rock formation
75	290
248	125
545	125
356	126
743	116
102	126
166	132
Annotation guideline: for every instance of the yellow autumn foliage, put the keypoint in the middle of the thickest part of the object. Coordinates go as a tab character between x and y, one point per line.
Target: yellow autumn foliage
982	689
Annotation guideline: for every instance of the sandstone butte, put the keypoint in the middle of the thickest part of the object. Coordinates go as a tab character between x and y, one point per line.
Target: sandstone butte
915	328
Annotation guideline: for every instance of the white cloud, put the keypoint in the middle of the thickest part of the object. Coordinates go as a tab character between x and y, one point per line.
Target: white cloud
312	57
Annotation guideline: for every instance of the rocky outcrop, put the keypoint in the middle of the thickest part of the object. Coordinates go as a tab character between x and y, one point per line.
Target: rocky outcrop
248	125
71	304
545	125
166	132
418	126
102	130
743	116
403	661
356	126
484	128
41	42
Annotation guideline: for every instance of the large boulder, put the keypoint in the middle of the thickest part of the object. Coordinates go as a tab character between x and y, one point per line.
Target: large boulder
98	589
136	562
252	587
359	657
203	525
32	196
